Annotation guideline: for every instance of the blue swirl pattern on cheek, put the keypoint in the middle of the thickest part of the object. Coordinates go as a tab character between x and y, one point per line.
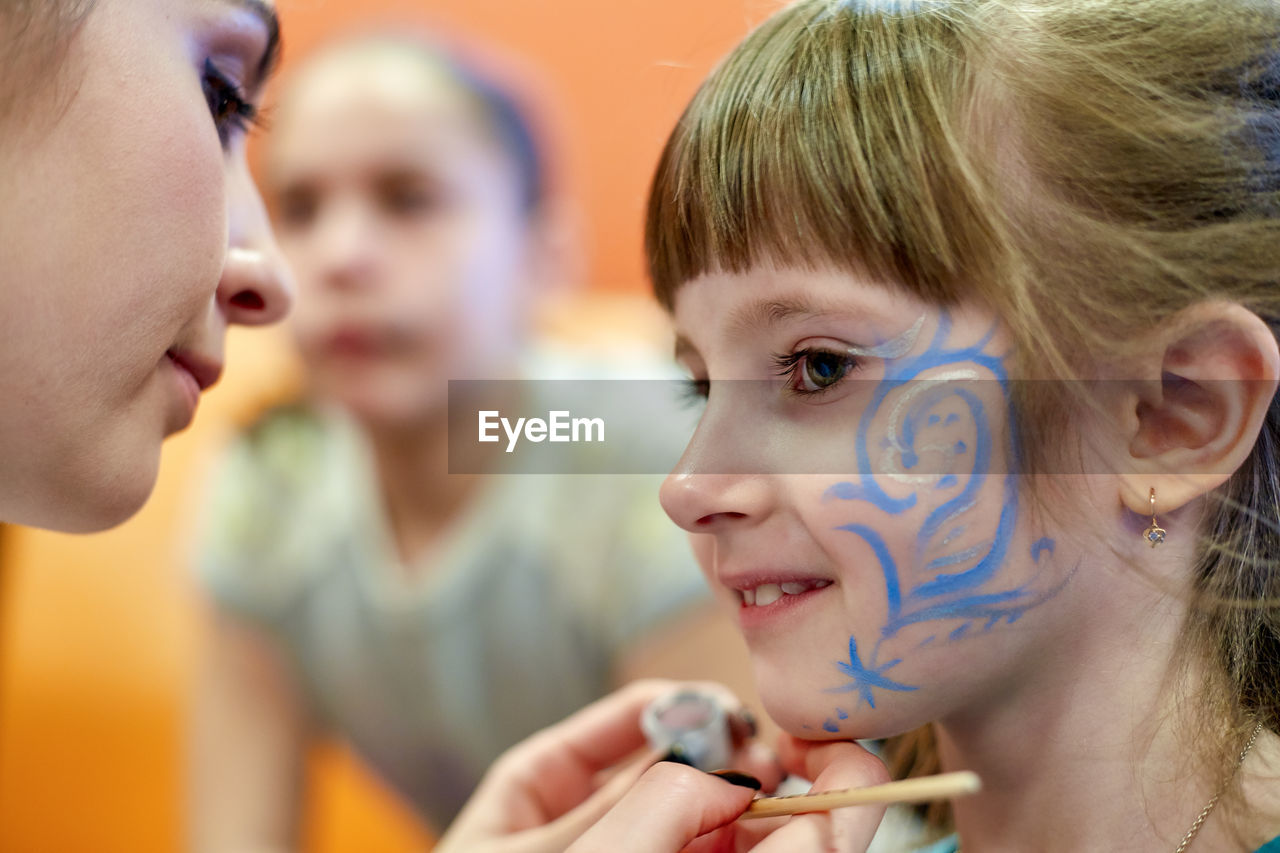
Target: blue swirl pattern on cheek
945	590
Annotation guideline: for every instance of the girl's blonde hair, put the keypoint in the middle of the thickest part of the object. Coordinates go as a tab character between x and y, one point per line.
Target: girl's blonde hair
1085	168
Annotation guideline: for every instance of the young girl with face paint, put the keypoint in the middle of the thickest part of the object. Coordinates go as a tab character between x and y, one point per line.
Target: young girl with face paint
983	299
131	237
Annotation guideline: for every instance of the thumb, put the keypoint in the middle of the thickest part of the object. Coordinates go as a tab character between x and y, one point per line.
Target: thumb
667	808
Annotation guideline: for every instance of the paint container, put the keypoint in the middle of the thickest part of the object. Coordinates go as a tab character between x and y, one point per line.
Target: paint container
692	723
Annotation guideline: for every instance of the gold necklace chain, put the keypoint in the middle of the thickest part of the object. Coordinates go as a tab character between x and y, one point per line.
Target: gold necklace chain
1204	812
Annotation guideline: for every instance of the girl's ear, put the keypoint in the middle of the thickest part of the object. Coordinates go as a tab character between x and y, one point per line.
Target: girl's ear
1190	425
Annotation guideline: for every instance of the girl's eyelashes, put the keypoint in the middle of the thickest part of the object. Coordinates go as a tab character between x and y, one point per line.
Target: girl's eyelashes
814	371
232	112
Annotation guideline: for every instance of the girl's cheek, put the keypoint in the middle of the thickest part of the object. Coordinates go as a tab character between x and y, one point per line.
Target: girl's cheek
703	547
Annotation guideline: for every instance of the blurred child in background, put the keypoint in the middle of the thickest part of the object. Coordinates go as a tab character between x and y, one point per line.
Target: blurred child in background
429	619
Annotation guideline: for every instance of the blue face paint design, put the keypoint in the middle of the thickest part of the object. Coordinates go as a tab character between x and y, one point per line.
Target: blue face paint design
957	584
862	678
1044	543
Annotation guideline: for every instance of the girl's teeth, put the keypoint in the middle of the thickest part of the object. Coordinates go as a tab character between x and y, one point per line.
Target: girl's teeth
768	593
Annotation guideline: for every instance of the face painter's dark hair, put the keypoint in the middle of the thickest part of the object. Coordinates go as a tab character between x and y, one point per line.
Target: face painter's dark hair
34	35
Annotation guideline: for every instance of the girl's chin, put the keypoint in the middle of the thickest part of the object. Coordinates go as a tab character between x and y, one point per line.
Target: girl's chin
814	720
831	716
389	411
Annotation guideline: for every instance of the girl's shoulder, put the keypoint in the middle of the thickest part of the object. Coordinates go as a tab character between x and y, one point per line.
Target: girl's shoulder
285	500
286	436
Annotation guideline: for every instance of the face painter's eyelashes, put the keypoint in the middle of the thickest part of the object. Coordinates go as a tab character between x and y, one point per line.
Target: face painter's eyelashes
813	371
694	392
232	112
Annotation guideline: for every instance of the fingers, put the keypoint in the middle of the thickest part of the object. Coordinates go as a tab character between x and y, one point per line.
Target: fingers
761	762
555	770
543	792
832	765
607	730
754	759
838	758
666	809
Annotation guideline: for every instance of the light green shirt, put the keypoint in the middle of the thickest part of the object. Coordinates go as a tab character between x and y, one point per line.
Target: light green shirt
529	599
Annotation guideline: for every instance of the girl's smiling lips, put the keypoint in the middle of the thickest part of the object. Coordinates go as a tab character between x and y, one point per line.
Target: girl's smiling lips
762	596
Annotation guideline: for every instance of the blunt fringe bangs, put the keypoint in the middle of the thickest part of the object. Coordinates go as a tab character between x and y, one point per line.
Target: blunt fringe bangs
834	136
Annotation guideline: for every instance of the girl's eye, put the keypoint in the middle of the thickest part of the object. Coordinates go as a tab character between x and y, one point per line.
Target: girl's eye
232	113
407	201
296	209
812	371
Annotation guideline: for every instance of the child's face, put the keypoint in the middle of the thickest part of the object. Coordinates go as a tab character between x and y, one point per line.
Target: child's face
403	220
132	236
867	535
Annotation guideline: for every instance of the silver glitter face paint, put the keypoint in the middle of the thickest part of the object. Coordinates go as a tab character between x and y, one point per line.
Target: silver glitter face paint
895	347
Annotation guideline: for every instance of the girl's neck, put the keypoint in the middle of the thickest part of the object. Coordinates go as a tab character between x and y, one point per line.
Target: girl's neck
1090	751
420	496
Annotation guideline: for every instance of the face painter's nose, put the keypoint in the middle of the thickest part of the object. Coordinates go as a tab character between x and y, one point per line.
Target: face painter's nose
256	286
254	289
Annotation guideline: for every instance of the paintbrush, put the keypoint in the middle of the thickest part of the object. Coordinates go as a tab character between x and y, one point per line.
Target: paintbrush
918	790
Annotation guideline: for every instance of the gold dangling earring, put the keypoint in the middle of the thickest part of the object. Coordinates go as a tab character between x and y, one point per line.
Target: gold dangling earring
1155	533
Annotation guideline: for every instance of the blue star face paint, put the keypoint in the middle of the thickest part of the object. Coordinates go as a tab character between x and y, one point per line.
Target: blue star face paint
870	601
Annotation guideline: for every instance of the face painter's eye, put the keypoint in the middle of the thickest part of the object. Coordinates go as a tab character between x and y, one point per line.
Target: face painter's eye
813	371
232	113
694	392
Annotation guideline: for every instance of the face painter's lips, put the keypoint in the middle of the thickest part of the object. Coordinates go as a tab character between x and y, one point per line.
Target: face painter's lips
193	373
204	369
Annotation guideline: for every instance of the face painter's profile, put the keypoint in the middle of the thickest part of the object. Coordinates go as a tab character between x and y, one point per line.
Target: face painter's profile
133	237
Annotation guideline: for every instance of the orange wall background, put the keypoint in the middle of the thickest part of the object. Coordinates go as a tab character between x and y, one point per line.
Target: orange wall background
98	633
617	72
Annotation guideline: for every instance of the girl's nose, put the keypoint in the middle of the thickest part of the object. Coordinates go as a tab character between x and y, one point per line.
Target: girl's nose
256	287
714	484
343	245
